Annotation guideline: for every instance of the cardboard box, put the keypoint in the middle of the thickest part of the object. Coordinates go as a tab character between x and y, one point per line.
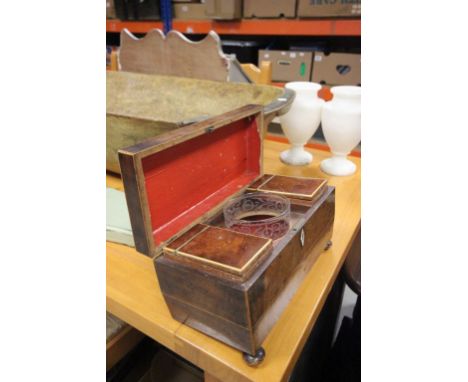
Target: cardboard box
110	9
337	68
269	8
137	9
329	8
223	9
190	11
287	65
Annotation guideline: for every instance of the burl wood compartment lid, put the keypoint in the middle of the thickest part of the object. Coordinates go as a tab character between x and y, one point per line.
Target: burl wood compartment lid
294	187
232	252
175	180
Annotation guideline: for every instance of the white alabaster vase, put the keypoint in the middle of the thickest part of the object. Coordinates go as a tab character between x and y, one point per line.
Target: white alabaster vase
301	121
341	124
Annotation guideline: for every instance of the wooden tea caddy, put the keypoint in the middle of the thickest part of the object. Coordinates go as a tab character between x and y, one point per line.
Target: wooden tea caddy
228	285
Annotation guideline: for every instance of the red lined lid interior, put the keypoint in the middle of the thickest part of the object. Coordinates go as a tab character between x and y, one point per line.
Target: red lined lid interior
185	181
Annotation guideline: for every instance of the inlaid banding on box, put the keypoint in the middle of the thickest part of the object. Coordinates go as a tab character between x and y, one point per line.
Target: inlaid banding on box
186	237
260	182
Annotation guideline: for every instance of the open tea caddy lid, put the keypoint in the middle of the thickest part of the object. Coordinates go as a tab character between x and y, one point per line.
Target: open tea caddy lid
176	181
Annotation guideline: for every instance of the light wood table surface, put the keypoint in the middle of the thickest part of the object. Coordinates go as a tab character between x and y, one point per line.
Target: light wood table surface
133	292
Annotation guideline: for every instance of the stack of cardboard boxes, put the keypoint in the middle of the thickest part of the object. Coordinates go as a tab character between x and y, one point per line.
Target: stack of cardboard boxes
327	69
295	65
301	8
234	9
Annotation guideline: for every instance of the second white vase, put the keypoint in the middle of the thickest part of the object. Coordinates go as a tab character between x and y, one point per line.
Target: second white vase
341	124
301	121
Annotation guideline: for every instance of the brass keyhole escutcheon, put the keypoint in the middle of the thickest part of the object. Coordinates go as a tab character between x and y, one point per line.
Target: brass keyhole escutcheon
302	237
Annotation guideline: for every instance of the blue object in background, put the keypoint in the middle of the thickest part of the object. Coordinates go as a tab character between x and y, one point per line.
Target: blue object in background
166	15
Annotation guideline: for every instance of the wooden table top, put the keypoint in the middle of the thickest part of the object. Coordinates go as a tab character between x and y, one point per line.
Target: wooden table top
133	292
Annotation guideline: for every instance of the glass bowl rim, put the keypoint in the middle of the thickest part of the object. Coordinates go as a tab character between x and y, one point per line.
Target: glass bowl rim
283	214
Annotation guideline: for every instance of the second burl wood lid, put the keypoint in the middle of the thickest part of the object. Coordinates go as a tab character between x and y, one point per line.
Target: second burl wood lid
301	188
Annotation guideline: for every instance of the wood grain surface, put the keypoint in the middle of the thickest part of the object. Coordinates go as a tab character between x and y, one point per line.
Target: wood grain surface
174	55
222	246
121	344
259	75
133	292
306	188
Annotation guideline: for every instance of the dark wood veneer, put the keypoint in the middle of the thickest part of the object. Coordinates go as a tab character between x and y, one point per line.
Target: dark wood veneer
257	302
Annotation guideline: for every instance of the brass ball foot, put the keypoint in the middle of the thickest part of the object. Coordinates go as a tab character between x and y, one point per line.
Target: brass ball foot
254	360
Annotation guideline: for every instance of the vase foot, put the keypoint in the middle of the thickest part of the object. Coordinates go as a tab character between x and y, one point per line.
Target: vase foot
338	166
296	157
